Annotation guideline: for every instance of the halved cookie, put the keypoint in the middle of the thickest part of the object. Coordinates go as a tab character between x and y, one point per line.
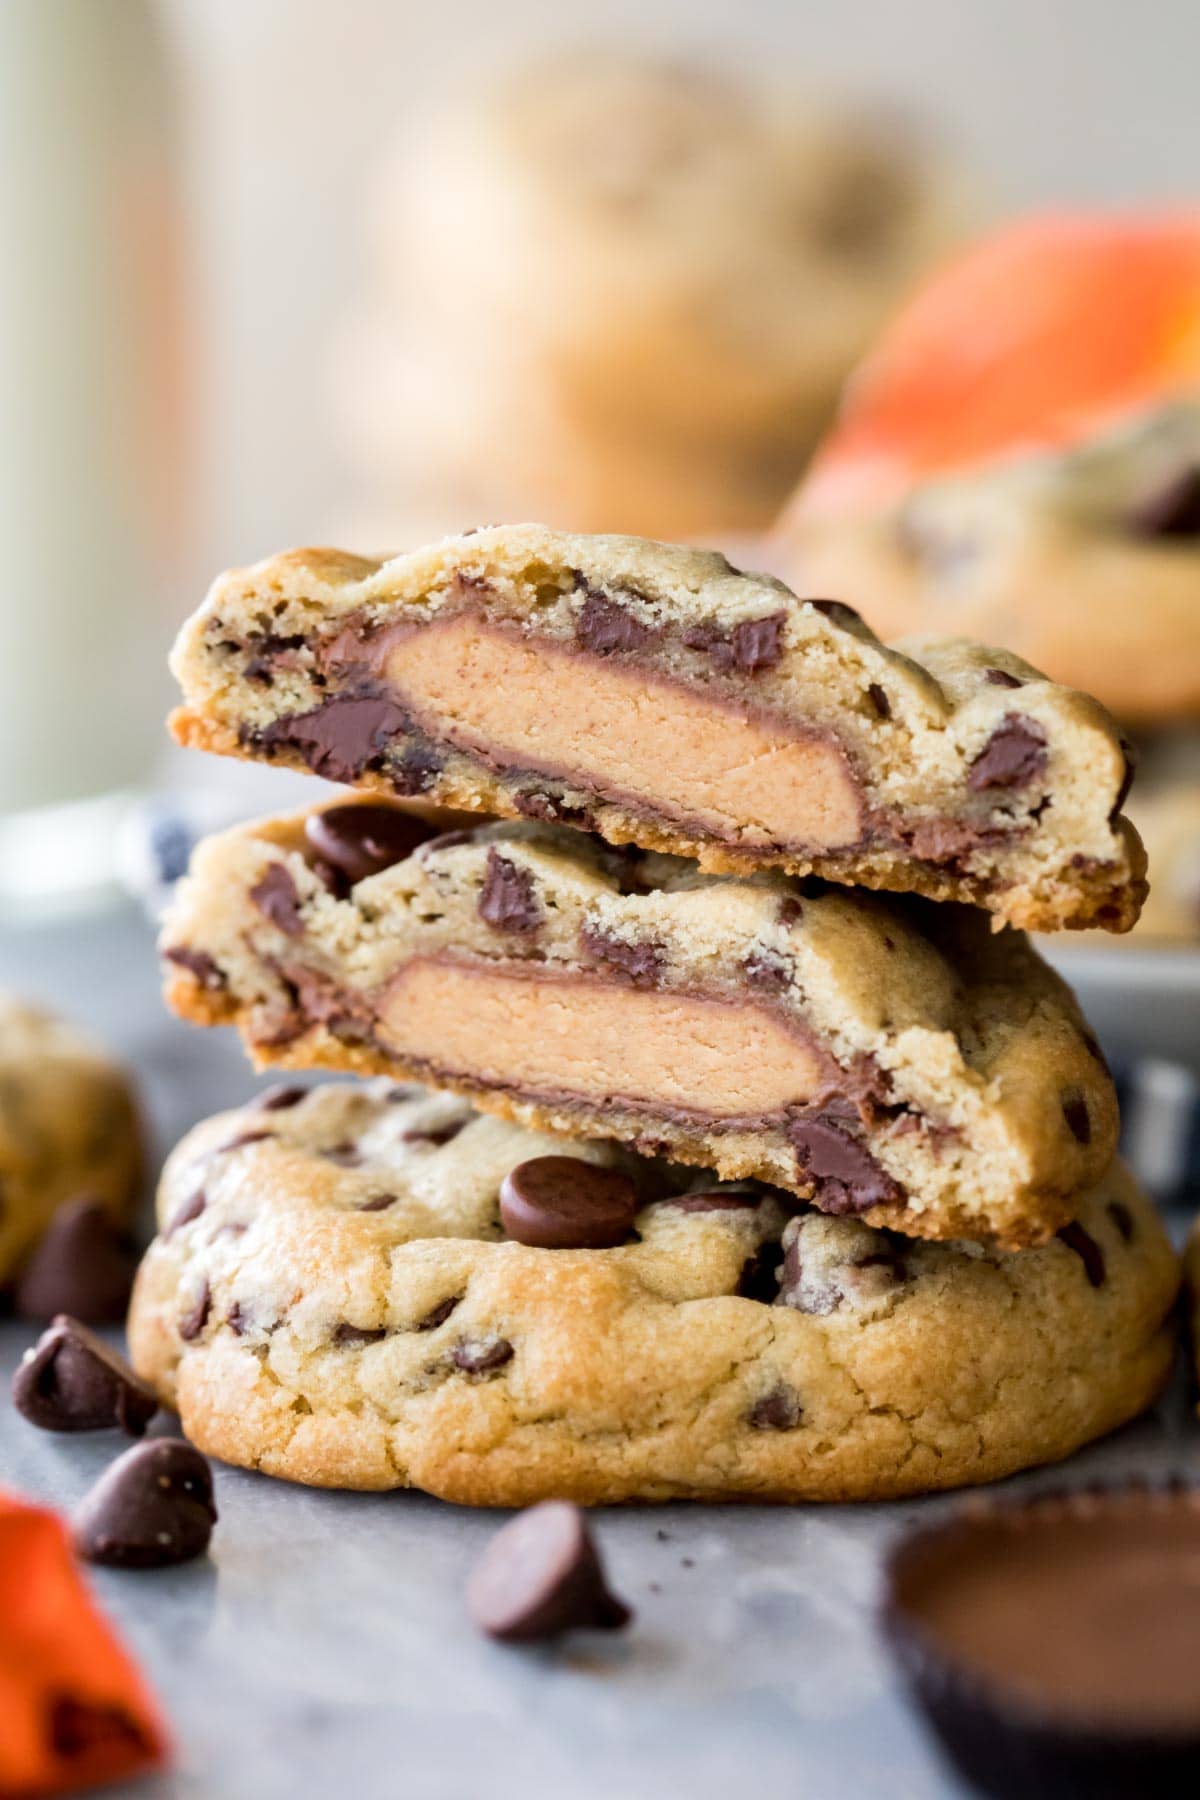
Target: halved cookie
659	696
889	1058
372	1289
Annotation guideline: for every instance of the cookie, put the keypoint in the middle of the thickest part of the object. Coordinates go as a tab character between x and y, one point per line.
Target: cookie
887	1058
624	293
68	1127
1168	816
657	695
332	1298
1030	478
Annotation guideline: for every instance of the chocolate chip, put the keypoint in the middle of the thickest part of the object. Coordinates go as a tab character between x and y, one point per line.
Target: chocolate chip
1075	1112
279	1098
1002	678
364	837
267	650
380	1203
507	900
791	911
1171	511
276	898
753	644
357	1334
1122	1218
1086	1249
838	613
195	1317
341	736
198	963
1013	756
152	1507
417	771
542	1575
641	963
191	1209
563	1203
439	1314
778	1410
84	1266
436	1134
346	1155
766	970
879	700
72	1381
535	803
240	1319
729	1201
607	629
846	1177
481	1358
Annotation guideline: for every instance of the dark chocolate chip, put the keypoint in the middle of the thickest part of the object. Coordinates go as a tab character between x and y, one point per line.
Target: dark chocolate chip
198	963
563	1203
341	736
846	1177
791	911
239	1319
879	700
276	898
355	1335
436	1134
838	613
279	1098
380	1203
641	963
84	1266
361	838
778	1410
416	771
759	1279
1170	511
72	1381
191	1209
542	1575
1075	1112
481	1358
607	629
195	1317
507	900
1086	1249
1122	1218
1002	678
346	1155
152	1507
438	1314
535	803
766	970
758	643
267	650
1013	756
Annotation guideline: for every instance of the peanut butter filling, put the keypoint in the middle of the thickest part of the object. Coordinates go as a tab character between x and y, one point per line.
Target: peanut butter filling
625	733
582	1035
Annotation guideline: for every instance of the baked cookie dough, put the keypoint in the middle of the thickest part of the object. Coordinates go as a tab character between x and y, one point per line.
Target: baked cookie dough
890	1059
68	1127
333	1298
659	696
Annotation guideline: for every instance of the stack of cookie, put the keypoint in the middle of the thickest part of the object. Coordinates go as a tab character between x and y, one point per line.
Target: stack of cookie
729	1176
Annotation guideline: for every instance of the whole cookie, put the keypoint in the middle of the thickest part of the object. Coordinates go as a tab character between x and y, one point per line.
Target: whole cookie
68	1127
332	1299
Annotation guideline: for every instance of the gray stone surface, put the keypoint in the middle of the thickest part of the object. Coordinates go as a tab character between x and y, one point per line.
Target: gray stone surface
322	1649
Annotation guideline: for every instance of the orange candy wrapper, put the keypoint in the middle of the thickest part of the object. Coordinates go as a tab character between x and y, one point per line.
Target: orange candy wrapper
74	1711
1032	340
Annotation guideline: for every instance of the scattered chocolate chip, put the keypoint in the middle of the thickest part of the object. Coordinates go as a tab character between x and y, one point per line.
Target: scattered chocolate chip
641	963
507	900
563	1203
1002	678
1129	771
361	838
481	1359
607	629
791	911
416	771
1075	1112
846	1177
72	1381
778	1410
1171	511
346	1155
1013	756
152	1507
193	1320
83	1266
380	1203
279	1098
436	1134
731	1200
341	736
191	1209
438	1314
268	650
542	1575
879	700
239	1319
355	1335
838	613
276	898
1086	1249
767	970
198	963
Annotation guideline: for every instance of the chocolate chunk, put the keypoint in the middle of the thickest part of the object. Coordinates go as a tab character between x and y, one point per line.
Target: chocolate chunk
791	911
152	1507
339	738
752	644
191	1209
279	1098
766	970
1013	756
507	900
357	1334
542	1575
564	1203
240	1319
268	650
72	1381
778	1410
362	838
731	1200
198	963
1075	1112
276	898
847	1177
1122	1218
879	700
84	1266
642	963
481	1358
195	1317
607	629
380	1203
1086	1249
438	1314
1002	678
838	613
1171	511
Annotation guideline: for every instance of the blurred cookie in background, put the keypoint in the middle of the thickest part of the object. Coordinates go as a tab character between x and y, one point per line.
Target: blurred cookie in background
623	295
1165	803
1019	461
